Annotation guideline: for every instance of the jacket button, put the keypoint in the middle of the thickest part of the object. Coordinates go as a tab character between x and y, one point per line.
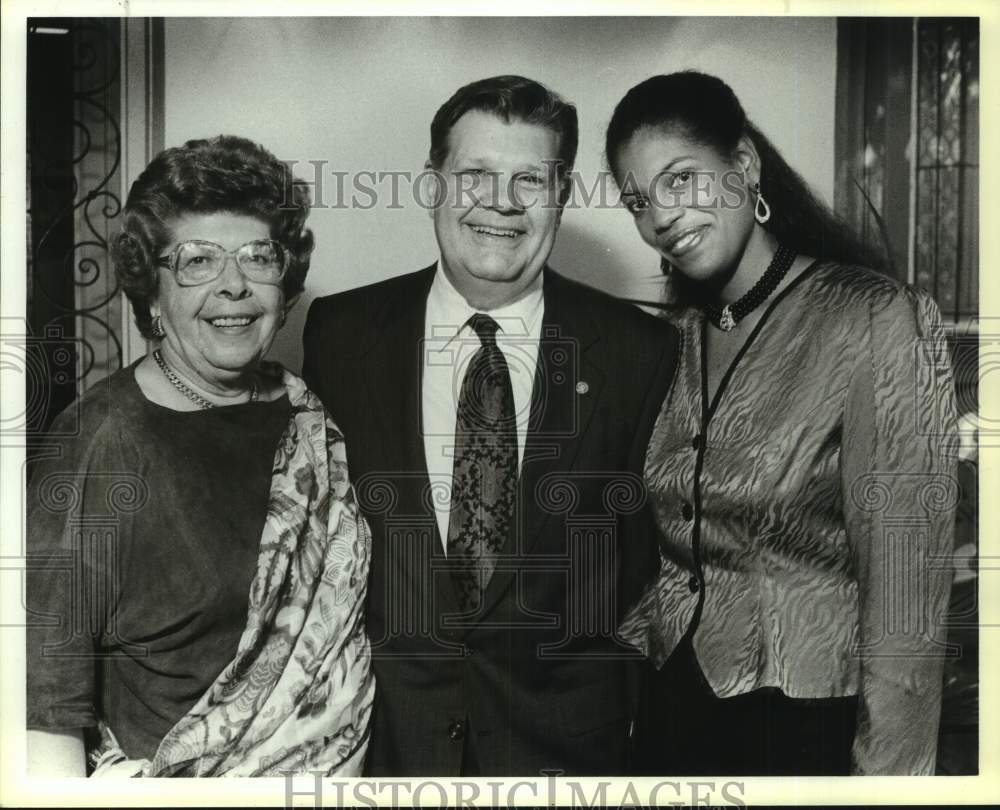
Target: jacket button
693	584
456	730
687	511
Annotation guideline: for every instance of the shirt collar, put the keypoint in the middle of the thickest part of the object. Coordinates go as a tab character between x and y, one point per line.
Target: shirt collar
448	312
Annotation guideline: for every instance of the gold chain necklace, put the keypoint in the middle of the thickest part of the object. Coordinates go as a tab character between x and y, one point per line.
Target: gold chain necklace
194	396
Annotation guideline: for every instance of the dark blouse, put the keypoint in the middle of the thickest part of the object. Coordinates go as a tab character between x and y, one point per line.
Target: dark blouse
143	530
807	511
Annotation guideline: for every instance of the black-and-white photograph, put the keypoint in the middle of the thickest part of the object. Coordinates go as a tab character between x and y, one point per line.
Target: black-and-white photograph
495	410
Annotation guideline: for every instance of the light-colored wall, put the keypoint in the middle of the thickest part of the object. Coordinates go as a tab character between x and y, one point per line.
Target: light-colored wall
359	93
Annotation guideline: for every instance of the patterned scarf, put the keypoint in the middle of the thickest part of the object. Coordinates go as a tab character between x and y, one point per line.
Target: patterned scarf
298	695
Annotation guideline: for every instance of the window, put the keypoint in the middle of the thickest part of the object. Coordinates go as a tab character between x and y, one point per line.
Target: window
908	149
946	232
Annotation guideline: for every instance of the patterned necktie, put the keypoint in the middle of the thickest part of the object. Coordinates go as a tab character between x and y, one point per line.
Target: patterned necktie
484	478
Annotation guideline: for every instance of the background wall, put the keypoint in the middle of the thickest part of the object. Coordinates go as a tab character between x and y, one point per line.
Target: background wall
359	94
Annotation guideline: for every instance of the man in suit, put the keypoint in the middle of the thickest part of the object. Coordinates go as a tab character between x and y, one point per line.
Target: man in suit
497	416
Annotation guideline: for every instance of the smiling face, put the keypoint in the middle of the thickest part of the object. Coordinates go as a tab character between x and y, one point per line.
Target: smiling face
497	221
217	333
690	204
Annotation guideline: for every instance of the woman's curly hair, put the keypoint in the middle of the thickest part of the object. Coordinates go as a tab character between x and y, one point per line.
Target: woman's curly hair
221	174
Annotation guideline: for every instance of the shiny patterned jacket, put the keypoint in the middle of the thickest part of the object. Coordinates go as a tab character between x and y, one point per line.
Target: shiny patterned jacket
806	515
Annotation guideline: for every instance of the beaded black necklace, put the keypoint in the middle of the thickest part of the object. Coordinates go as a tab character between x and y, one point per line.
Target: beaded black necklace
726	318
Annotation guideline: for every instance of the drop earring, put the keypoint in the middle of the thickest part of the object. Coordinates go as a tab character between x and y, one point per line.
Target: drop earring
158	331
761	210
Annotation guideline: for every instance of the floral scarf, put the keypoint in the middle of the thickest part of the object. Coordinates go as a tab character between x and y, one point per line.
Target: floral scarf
298	695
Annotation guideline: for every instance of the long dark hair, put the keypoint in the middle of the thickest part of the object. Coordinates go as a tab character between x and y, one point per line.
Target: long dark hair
705	109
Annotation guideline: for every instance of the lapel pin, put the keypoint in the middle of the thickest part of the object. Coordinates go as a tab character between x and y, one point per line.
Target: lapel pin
582	387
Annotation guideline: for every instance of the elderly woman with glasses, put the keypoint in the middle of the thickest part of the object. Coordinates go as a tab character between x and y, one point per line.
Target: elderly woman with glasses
198	563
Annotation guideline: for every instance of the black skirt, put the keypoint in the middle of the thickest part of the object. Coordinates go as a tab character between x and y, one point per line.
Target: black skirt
683	729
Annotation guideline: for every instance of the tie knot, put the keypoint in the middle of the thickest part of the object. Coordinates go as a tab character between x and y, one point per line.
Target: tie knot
485	327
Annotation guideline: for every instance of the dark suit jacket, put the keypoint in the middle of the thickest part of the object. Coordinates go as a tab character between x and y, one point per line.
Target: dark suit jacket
537	680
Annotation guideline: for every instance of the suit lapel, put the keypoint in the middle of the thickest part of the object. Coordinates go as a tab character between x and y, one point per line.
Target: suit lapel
568	385
393	380
394	390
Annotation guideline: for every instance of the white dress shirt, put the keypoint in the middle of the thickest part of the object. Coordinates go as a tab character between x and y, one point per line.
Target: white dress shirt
449	344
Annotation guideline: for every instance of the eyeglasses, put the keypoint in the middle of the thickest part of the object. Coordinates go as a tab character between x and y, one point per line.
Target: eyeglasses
199	262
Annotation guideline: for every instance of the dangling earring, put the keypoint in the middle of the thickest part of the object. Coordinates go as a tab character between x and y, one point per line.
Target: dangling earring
284	317
158	331
761	210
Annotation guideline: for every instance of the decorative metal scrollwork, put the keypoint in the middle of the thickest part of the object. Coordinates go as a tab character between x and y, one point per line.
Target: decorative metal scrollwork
90	177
